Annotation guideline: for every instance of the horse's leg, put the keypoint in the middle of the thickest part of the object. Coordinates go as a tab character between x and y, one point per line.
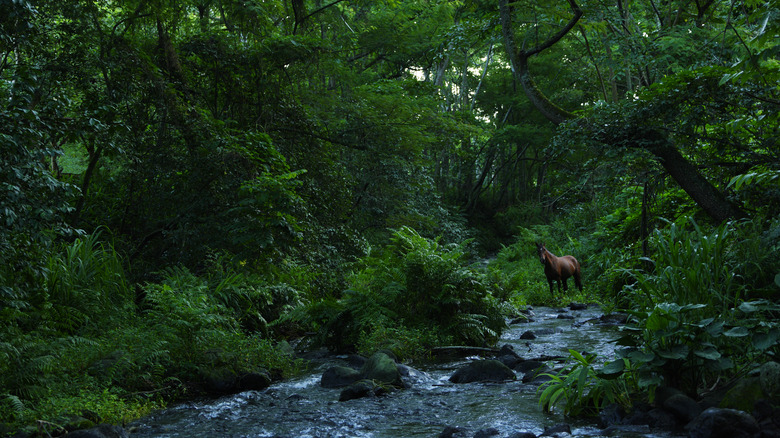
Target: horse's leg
565	281
578	279
552	292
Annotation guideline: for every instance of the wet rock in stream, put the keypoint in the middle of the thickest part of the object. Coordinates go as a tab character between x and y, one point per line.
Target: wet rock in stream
489	370
363	388
723	423
508	356
339	376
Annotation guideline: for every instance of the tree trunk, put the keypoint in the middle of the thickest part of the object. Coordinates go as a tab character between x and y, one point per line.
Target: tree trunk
688	177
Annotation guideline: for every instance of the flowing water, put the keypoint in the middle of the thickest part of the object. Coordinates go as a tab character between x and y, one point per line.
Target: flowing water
300	407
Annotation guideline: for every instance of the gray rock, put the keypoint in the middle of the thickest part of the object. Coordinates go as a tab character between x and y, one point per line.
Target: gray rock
682	407
522	435
723	423
561	429
254	381
363	388
486	433
770	379
528	335
339	376
453	432
489	370
508	357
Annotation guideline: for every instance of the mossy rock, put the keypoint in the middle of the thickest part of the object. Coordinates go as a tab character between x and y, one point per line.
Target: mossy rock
770	380
744	395
382	368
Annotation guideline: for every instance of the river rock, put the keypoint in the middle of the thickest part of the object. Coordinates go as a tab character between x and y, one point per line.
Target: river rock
253	381
521	320
508	357
611	415
530	365
557	430
662	419
411	376
613	319
100	431
768	418
770	379
528	335
489	370
220	380
453	432
339	376
743	395
522	435
682	407
382	368
578	306
723	423
486	433
363	388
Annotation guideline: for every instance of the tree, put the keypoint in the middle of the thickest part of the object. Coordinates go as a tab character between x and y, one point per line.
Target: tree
655	141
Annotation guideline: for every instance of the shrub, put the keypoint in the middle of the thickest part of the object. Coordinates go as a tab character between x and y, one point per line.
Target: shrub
413	285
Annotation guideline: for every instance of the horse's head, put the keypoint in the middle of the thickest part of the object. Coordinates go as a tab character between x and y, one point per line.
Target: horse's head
542	251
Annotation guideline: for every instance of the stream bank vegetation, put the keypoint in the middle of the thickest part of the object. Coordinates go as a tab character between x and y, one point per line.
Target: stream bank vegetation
189	190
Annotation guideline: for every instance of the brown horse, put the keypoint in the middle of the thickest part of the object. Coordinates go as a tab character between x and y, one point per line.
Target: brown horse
559	269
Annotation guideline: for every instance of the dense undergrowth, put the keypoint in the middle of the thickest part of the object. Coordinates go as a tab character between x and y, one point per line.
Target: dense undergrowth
88	345
703	313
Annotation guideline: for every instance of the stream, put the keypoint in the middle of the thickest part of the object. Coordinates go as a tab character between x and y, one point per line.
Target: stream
300	407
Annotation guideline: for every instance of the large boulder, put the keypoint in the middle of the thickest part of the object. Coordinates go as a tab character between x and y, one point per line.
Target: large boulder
743	395
723	423
684	408
382	368
253	381
226	381
489	370
339	376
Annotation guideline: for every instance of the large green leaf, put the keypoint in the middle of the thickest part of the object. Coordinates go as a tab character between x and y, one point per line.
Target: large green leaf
736	332
679	351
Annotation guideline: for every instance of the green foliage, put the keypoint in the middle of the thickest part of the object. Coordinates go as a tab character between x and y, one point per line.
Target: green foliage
82	344
582	388
82	283
690	327
674	345
413	286
700	267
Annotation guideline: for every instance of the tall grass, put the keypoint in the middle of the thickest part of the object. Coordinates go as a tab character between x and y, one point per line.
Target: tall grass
695	266
85	286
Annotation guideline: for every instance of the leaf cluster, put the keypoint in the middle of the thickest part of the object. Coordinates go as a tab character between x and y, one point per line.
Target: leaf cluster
415	291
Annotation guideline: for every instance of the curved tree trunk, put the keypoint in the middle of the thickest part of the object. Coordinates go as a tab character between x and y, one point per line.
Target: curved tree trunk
707	196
